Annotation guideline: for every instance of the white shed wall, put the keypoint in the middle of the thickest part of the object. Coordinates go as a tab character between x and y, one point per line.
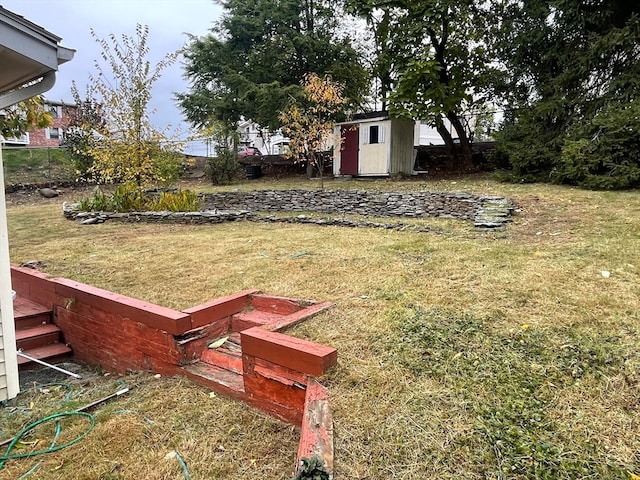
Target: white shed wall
374	157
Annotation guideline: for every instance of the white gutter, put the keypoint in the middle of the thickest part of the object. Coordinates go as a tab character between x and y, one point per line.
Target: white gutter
45	84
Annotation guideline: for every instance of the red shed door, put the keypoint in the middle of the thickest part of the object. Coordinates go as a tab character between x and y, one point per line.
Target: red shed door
349	150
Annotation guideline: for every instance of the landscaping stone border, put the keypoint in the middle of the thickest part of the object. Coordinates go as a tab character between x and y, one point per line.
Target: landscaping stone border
486	212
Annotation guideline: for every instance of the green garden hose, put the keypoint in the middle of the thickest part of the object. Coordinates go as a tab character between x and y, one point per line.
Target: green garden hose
53	448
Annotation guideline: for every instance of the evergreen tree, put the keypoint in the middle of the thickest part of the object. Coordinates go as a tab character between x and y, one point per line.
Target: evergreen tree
256	58
573	80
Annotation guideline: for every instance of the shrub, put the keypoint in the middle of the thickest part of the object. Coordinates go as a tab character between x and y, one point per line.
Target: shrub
530	157
78	144
167	165
99	202
604	154
598	152
180	201
129	197
223	168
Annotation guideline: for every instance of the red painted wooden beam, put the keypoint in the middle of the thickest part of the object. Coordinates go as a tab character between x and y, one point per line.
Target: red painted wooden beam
273	304
219	308
296	317
34	285
300	355
152	315
316	432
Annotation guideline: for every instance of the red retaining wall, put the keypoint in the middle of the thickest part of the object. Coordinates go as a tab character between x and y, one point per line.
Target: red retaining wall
122	333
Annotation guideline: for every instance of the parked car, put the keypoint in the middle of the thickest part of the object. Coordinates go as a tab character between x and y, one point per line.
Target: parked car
246	151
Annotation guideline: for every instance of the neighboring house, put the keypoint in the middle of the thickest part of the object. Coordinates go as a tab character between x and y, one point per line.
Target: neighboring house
269	143
374	144
51	136
30	56
425	134
23	141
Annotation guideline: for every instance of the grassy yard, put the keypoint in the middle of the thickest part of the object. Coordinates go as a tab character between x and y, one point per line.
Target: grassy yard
462	354
36	165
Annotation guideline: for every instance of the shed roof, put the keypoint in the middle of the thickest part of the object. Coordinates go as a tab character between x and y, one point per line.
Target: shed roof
366	117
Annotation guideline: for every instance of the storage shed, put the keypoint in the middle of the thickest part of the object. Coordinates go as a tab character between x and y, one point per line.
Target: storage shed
374	144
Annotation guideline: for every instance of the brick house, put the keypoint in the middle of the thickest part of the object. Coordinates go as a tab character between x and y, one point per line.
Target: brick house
53	135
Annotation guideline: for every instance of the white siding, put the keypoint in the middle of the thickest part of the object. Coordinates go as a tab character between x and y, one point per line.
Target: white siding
9	384
373	159
402	151
3	367
3	376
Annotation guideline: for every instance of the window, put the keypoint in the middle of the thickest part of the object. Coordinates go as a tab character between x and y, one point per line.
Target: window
373	133
56	111
54	133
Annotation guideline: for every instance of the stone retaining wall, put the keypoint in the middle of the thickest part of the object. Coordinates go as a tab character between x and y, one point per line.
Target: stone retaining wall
371	204
487	212
484	211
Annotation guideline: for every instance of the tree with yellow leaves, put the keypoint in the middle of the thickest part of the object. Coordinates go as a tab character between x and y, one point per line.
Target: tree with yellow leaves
16	120
129	148
308	121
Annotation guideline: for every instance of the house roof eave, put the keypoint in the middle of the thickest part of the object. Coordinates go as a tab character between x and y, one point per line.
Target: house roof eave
29	54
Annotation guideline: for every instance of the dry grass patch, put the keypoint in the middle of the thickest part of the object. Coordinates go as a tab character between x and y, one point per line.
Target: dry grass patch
462	354
136	434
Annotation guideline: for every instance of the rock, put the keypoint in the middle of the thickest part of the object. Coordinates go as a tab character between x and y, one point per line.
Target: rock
48	192
35	264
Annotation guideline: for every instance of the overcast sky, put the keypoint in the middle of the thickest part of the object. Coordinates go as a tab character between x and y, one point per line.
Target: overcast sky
169	23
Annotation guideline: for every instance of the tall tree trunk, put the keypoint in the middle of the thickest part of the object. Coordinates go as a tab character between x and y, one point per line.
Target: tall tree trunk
383	62
309	16
465	144
319	163
309	168
448	142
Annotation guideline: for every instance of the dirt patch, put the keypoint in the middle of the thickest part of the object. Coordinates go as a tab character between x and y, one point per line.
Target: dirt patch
547	219
30	194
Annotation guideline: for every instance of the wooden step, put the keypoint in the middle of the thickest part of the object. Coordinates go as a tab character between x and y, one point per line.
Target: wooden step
253	318
46	353
38	336
316	432
213	377
29	314
223	357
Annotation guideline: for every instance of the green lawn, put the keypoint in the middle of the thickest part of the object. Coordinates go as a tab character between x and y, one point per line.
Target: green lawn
36	165
462	354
